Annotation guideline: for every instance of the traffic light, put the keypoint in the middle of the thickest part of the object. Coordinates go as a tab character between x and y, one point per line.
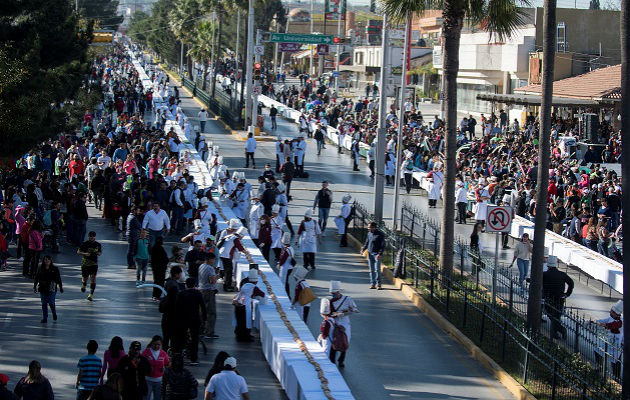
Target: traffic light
256	71
339	40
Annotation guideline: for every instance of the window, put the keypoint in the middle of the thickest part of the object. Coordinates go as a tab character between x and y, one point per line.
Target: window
561	37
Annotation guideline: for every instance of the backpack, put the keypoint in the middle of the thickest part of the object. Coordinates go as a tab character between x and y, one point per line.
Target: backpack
340	339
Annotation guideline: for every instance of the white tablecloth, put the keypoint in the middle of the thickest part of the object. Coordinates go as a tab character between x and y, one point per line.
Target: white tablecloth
296	375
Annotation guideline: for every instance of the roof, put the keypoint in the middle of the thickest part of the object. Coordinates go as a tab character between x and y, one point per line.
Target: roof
534	100
599	84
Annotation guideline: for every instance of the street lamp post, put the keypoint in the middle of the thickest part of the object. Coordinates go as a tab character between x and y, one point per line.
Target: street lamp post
379	179
401	123
250	65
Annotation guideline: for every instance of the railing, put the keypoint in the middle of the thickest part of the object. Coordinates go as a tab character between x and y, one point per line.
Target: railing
227	108
547	368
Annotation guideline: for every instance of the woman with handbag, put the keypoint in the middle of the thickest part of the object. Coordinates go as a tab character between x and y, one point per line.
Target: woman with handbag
47	280
303	295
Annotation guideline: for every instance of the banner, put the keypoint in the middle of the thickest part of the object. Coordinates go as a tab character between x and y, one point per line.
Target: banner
332	8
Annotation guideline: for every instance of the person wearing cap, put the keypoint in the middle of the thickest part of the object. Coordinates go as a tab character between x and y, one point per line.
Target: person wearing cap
240	202
276	223
134	369
5	393
343	220
228	384
255	212
250	148
557	286
229	244
308	235
614	327
336	312
299	151
89	375
300	294
286	262
323	200
242	302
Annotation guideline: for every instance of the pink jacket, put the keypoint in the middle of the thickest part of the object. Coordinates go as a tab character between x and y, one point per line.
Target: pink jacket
35	240
157	366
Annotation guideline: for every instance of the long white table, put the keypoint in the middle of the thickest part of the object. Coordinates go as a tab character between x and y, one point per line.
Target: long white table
296	373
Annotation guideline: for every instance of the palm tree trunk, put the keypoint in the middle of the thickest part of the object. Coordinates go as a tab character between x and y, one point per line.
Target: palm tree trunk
453	19
625	182
205	74
544	153
218	55
189	63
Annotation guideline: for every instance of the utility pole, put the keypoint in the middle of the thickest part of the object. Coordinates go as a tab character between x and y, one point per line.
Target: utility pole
310	46
257	83
401	123
275	50
625	184
379	161
238	41
338	55
286	30
181	58
249	65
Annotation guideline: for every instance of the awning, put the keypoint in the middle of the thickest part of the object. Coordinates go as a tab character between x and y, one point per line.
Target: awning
533	100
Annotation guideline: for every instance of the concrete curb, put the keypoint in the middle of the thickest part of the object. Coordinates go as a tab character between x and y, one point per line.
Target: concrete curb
482	358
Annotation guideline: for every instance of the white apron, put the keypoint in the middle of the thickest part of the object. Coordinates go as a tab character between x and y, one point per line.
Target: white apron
344	306
287	267
254	217
308	238
276	232
435	188
244	296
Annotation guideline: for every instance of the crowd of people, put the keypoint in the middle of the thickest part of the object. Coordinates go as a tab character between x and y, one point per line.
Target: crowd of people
496	161
135	173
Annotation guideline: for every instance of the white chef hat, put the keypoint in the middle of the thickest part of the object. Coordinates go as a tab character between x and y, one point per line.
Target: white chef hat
235	223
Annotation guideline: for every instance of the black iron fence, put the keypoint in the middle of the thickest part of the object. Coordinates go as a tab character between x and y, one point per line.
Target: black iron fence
549	368
227	107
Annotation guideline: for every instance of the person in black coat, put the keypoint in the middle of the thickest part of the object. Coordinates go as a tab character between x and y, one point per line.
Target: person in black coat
159	262
554	284
134	368
191	313
47	281
34	386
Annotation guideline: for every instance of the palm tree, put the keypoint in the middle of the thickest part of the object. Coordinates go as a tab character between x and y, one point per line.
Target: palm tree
182	20
534	302
500	18
200	48
625	180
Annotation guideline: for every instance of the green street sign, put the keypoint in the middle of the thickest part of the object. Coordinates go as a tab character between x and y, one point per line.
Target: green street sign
300	38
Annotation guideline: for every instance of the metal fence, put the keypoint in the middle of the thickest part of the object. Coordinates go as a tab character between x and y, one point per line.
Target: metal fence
228	108
548	368
577	333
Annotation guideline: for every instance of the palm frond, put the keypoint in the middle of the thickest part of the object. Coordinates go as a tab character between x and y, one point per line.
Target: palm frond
498	17
399	10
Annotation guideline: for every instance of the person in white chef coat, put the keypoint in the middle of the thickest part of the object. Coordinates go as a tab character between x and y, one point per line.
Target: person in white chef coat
308	235
336	312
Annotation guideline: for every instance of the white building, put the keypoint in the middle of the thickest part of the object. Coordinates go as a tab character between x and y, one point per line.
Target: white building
487	65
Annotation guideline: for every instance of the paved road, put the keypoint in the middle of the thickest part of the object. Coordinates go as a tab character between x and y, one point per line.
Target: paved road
395	352
118	309
589	298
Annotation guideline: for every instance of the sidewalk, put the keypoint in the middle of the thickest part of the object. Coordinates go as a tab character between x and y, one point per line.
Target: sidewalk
390	337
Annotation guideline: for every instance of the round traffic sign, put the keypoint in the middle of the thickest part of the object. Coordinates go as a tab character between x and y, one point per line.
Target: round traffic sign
499	219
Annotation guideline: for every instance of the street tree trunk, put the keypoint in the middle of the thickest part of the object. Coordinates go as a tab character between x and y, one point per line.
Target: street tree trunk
453	19
205	74
189	67
218	55
534	303
625	183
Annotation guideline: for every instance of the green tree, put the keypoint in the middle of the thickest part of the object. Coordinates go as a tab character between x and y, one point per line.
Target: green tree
201	47
102	12
43	63
501	18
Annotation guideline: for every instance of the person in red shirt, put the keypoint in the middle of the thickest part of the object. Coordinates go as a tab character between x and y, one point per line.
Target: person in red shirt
552	190
76	166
